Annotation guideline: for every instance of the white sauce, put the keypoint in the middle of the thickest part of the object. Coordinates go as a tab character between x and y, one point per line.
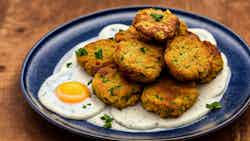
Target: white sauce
136	119
109	31
204	35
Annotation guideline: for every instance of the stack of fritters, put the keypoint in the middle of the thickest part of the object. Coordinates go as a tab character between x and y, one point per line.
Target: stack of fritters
135	58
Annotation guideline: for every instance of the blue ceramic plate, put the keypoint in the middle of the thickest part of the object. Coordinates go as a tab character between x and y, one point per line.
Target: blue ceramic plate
43	57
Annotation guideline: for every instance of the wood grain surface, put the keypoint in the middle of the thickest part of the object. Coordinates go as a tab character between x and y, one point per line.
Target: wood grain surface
23	22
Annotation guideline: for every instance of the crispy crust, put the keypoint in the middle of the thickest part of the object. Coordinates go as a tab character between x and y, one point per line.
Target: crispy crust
165	28
188	58
90	63
110	87
128	34
136	64
168	97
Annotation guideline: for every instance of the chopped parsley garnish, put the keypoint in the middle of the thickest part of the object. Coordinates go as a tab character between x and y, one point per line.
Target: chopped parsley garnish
120	30
214	106
68	64
157	17
186	98
174	61
104	79
85	106
81	52
111	90
158	97
90	81
107	120
98	54
143	49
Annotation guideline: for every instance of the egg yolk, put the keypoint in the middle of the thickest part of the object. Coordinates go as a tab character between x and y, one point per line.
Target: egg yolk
72	92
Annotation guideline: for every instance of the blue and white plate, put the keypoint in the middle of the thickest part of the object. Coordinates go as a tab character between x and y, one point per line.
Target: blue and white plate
43	57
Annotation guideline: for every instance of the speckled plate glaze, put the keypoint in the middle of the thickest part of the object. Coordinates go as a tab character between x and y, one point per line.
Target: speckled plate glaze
45	54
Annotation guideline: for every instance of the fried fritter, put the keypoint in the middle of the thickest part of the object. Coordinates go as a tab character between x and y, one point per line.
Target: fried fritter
128	34
96	55
139	61
110	87
156	24
187	58
168	97
215	61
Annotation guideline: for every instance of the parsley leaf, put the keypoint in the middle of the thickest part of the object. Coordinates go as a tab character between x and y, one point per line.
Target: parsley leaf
120	30
98	54
107	125
111	90
81	52
90	81
104	79
68	64
143	49
108	121
85	106
158	97
157	17
214	106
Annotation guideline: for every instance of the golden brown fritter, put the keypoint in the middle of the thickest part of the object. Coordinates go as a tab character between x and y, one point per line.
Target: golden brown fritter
128	34
215	61
110	87
139	61
168	97
187	58
96	55
156	24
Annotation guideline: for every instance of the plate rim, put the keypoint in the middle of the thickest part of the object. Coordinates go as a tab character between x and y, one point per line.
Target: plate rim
124	8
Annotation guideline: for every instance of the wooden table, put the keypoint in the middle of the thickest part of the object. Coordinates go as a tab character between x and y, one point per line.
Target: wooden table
23	22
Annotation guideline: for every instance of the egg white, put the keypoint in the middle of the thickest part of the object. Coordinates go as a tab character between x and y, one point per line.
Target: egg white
47	97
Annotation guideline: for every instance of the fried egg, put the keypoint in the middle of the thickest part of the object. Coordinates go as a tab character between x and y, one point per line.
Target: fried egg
66	93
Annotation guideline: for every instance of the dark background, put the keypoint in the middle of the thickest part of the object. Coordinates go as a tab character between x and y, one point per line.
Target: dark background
23	22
